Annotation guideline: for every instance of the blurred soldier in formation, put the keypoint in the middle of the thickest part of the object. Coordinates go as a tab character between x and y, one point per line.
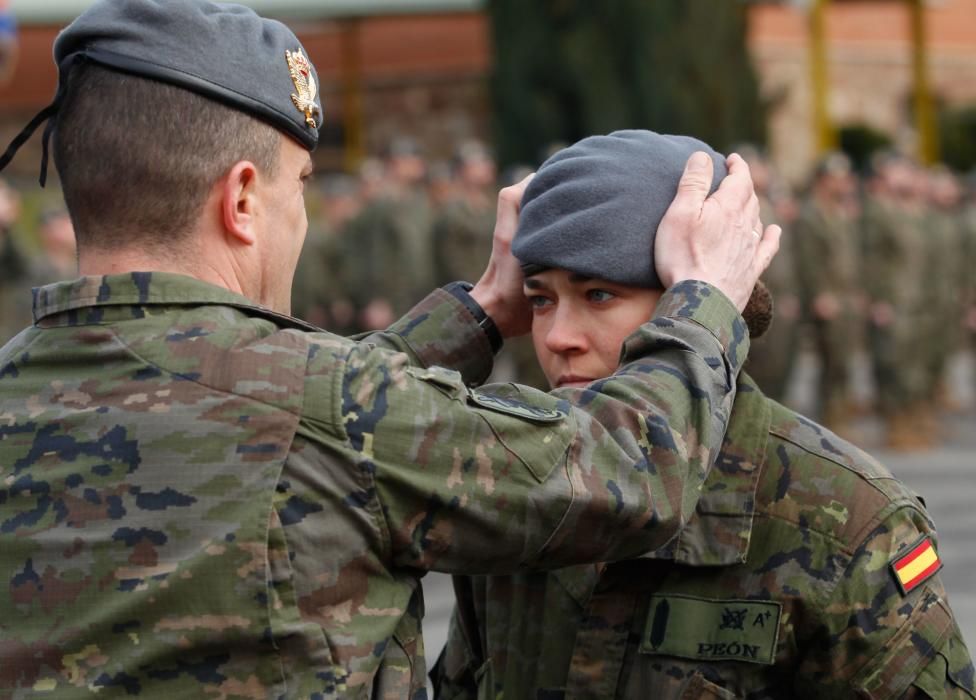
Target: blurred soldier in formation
826	247
772	356
969	279
946	273
319	292
57	259
462	228
387	247
896	246
14	311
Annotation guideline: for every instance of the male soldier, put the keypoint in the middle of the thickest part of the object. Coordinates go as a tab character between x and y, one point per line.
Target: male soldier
318	294
807	570
895	280
945	280
387	247
14	267
460	232
772	357
827	252
201	496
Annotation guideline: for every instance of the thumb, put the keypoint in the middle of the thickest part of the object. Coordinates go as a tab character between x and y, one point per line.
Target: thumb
695	182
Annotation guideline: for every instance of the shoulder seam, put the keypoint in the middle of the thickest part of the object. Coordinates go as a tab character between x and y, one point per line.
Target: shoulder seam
184	377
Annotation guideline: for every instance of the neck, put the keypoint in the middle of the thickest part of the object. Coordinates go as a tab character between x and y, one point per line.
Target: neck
97	262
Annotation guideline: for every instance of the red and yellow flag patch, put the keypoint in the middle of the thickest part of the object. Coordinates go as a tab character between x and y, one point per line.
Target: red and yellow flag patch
917	565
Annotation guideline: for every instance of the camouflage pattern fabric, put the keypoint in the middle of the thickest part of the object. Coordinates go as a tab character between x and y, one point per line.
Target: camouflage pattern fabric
895	243
945	273
386	254
828	262
781	586
969	279
772	355
14	287
461	239
202	498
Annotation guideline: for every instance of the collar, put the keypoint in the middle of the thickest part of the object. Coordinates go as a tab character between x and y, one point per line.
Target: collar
107	298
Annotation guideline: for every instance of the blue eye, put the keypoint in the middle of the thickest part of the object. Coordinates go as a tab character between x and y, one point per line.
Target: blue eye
539	302
600	296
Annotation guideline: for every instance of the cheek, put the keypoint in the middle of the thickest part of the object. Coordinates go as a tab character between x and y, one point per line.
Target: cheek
607	352
544	357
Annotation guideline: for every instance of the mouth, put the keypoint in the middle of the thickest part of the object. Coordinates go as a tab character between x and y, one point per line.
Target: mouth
572	380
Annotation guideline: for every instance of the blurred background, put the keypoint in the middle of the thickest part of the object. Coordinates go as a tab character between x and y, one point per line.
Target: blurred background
858	117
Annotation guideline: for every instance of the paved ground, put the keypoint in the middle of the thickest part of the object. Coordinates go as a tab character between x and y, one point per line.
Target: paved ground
944	477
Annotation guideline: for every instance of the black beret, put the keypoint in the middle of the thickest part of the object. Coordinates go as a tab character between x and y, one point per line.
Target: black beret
594	207
222	51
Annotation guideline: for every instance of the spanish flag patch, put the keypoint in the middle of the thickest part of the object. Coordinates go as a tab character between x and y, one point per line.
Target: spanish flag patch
917	565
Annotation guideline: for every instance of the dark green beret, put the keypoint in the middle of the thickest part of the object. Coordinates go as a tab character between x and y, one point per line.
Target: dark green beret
222	51
594	207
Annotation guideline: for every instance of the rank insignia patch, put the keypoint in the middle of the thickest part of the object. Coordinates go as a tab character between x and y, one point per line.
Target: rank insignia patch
301	74
916	566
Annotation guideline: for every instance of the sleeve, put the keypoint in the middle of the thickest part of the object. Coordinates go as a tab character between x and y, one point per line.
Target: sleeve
507	478
439	331
889	632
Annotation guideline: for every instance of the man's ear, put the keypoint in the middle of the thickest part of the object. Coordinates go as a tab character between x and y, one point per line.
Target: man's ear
238	201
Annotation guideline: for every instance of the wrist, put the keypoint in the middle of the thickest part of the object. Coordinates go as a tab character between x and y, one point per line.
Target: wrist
462	292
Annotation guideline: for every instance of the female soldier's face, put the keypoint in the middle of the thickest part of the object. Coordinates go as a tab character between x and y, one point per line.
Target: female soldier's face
580	323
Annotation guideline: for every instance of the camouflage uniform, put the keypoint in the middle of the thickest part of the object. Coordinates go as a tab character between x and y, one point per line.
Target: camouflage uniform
386	252
772	356
896	247
198	498
14	306
462	239
945	271
826	246
781	586
969	279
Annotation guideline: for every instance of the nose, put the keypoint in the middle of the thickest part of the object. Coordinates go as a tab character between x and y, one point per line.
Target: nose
565	334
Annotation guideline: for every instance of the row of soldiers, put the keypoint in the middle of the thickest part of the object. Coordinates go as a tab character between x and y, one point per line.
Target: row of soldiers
878	266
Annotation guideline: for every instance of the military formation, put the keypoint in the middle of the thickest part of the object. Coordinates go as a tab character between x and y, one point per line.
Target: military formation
873	268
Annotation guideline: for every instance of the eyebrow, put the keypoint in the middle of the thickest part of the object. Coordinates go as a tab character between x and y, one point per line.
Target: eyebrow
574	277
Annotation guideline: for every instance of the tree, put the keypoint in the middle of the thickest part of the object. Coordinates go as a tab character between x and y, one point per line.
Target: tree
565	69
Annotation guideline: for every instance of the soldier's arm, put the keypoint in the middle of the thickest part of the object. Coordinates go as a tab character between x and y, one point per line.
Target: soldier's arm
888	630
471	482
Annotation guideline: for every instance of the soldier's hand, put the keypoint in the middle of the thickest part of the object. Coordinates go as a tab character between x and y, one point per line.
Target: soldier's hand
717	239
499	291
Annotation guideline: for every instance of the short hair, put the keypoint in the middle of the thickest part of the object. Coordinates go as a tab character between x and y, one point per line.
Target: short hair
139	157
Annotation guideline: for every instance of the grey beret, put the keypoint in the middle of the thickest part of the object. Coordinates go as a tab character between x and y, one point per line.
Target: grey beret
594	207
222	51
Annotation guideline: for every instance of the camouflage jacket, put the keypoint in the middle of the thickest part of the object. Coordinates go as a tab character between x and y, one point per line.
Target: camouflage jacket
826	255
896	243
785	584
201	498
